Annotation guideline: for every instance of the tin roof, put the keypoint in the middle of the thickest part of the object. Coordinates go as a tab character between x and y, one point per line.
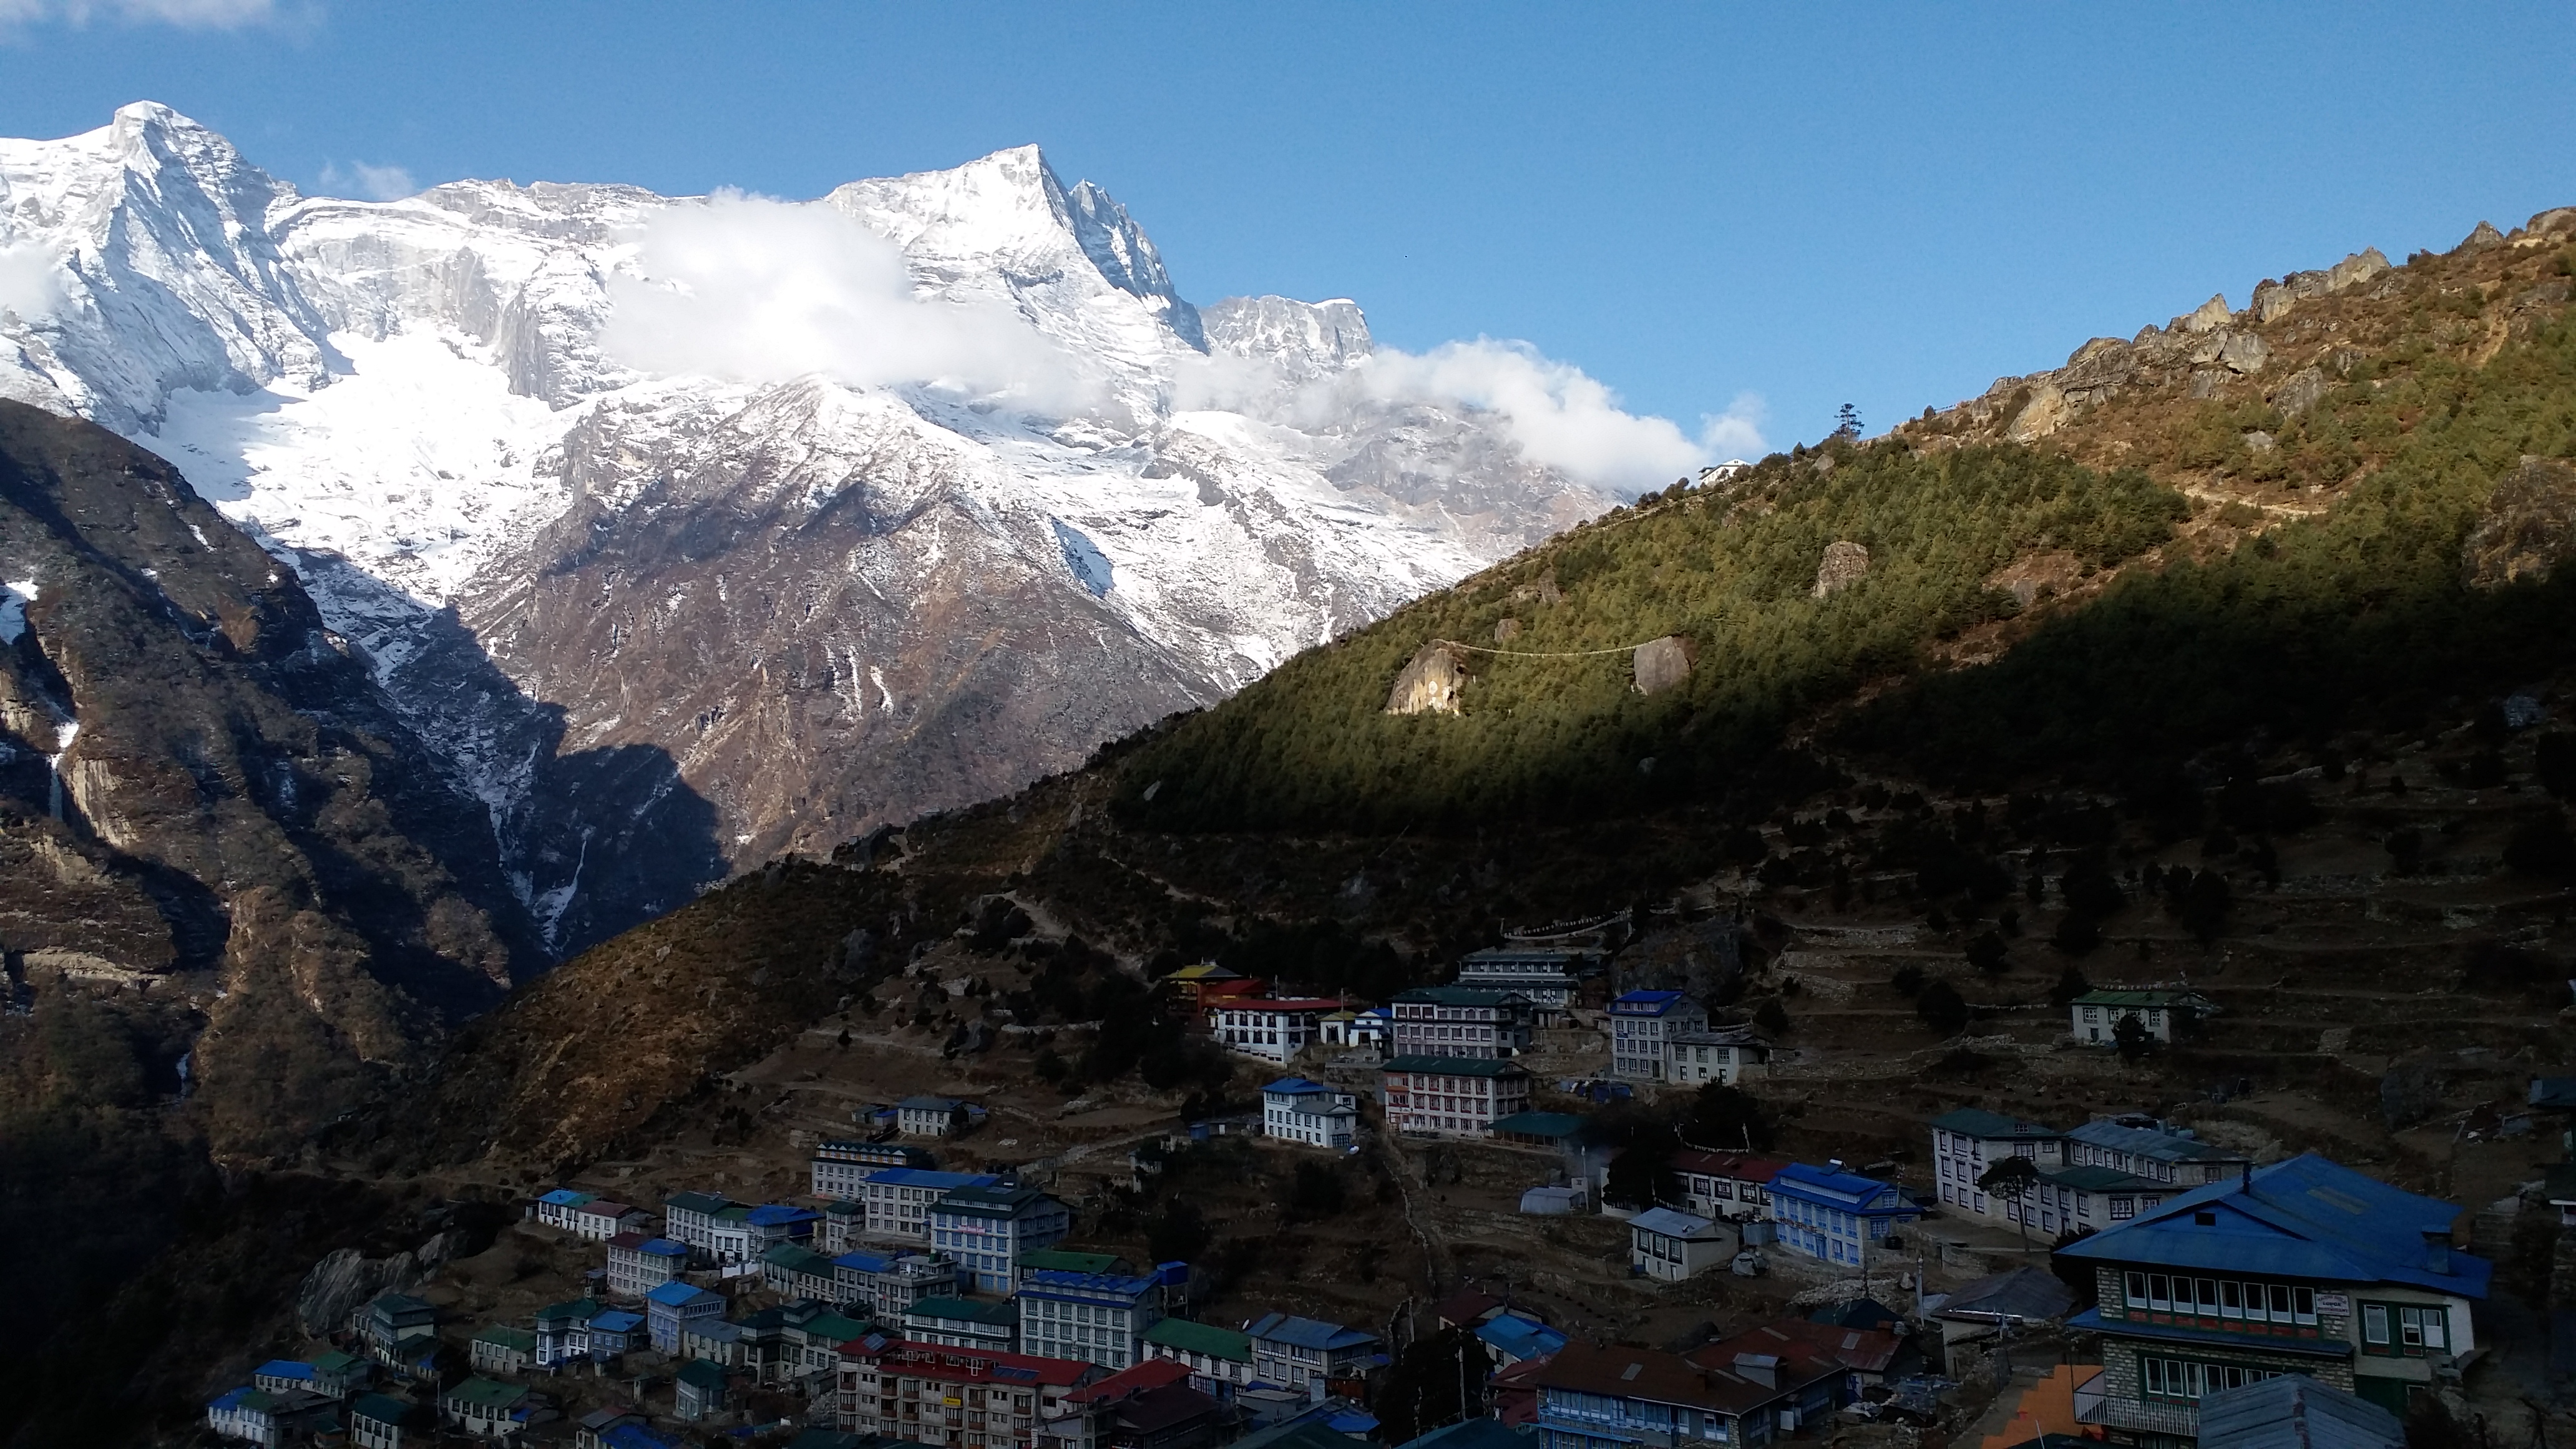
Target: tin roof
2303	1218
1990	1126
1307	1332
2296	1412
1190	1336
1673	1224
1452	1066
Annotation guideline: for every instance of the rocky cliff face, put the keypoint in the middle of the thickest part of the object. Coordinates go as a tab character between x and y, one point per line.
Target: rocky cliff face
204	799
662	602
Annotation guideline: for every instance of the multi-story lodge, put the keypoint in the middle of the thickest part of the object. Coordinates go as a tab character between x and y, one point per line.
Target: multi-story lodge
1834	1215
1294	1109
1271	1028
1641	1022
1452	1096
1967	1143
840	1166
1459	1021
950	1397
2096	1015
1548	979
883	1285
1095	1317
985	1229
898	1199
1725	1055
1637	1398
1733	1185
1294	1352
2302	1267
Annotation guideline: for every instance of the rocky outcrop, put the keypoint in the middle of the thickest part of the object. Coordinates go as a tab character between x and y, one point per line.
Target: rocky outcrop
215	786
2528	529
1659	664
344	1280
1432	682
1845	563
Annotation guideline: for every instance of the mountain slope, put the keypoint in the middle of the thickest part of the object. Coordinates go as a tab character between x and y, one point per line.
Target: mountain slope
592	477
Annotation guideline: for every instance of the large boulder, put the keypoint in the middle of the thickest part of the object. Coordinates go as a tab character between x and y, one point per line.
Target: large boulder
1431	682
1844	564
1659	664
2529	526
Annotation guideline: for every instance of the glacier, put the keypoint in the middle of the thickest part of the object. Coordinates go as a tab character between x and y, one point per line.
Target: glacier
677	568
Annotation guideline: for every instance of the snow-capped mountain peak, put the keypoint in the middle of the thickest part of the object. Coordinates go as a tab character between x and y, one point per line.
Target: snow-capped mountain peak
723	520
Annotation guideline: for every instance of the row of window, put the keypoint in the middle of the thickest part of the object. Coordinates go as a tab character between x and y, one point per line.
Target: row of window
2184	1380
2416	1328
2225	1299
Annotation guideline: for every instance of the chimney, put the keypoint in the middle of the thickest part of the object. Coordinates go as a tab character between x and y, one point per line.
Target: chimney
2246	1183
2437	1250
1762	1368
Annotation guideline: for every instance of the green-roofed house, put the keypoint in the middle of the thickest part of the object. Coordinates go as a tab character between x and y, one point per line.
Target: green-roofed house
813	1344
338	1375
486	1408
1459	1021
793	1271
1538	1129
1967	1143
502	1349
378	1422
700	1391
1064	1260
963	1323
2096	1015
1452	1096
1219	1359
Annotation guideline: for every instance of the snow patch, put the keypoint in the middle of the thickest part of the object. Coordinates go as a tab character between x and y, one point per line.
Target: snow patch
1090	566
15	596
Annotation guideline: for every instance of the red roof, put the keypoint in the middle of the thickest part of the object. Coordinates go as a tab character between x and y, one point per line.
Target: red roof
1153	1373
633	1239
602	1208
965	1365
1862	1350
1300	1003
1741	1166
1467	1306
1210	990
1669	1378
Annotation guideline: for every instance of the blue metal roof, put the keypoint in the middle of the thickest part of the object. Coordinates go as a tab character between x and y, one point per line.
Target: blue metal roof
284	1368
1671	1224
1296	1086
2304	1218
564	1197
1066	1281
1520	1337
1644	1003
1307	1332
1846	1190
663	1248
863	1262
617	1320
2146	1142
776	1214
679	1295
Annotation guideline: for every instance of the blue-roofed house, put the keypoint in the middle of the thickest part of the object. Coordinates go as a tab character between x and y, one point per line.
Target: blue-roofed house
282	1376
638	1263
615	1331
555	1209
774	1223
1087	1317
1836	1216
898	1199
1641	1022
883	1285
1514	1337
1294	1109
2302	1267
1294	1352
668	1308
259	1416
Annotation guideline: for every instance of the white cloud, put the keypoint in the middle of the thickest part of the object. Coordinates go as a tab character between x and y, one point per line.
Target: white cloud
31	285
750	289
1562	417
187	14
367	183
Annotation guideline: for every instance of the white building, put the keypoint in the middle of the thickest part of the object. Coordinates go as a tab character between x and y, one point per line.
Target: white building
1087	1317
1546	978
556	1208
1673	1246
600	1219
1452	1096
927	1116
1967	1143
898	1199
985	1229
639	1263
1219	1359
840	1166
690	1217
1459	1021
1727	1055
2096	1015
1734	1185
1294	1109
1270	1028
1358	1029
1294	1352
883	1285
1641	1022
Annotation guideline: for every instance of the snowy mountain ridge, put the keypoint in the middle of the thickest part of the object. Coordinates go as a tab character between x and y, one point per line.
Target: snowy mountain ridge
793	517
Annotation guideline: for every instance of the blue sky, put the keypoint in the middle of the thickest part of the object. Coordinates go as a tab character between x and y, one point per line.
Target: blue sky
1890	205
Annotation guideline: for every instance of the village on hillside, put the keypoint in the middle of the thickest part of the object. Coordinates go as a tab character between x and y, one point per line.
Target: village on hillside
2103	1275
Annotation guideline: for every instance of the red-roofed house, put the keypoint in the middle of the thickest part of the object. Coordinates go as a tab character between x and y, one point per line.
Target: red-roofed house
1149	1406
600	1220
1727	1184
954	1397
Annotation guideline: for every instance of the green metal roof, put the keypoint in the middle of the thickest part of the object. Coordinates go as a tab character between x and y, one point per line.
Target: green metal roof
1453	1066
484	1394
697	1373
1979	1123
1206	1338
505	1336
376	1408
1539	1124
796	1258
963	1310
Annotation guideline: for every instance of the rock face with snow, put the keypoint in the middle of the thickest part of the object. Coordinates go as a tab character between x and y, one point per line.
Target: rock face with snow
664	605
